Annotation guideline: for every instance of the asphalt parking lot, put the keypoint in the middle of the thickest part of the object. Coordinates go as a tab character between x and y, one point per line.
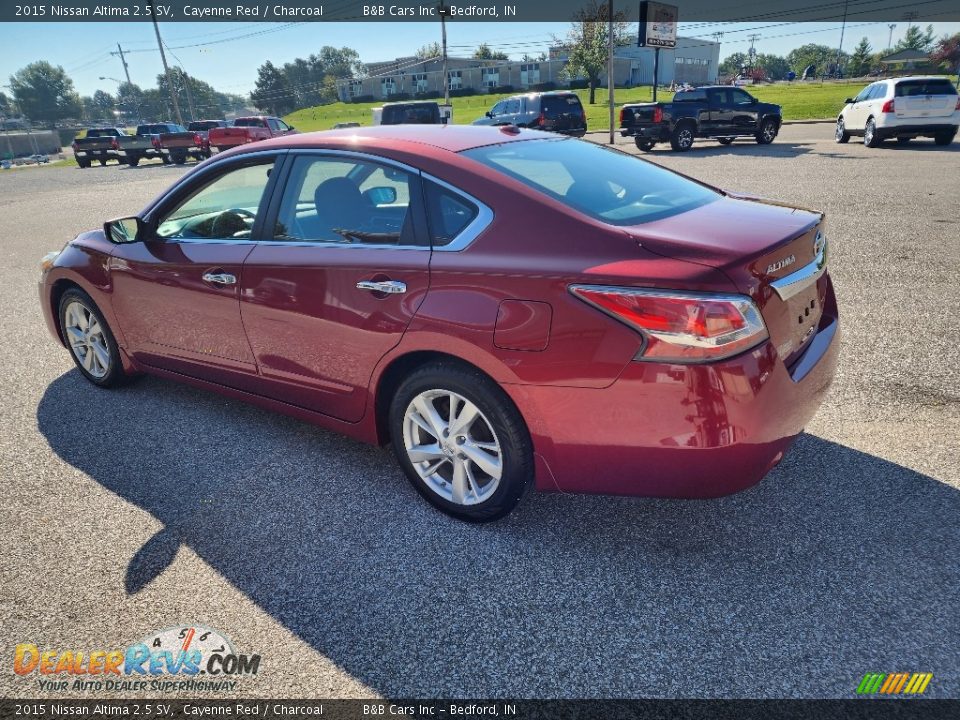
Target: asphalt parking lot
156	505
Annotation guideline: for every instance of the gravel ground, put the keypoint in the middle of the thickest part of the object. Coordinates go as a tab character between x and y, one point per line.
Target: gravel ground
129	511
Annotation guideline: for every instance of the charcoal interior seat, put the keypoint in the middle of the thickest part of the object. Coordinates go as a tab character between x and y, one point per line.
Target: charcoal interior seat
340	206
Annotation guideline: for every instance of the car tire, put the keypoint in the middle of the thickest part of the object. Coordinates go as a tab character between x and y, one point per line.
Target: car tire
179	159
903	140
841	135
83	164
133	161
166	159
725	140
102	162
870	138
944	138
645	145
477	472
768	132
681	139
92	347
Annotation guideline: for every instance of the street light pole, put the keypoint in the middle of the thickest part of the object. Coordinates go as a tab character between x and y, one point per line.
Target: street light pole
443	36
610	65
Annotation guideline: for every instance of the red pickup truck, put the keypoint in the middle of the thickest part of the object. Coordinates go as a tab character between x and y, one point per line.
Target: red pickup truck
247	130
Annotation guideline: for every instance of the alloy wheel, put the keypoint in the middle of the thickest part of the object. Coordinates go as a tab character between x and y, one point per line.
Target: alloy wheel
453	447
685	138
87	340
840	130
769	132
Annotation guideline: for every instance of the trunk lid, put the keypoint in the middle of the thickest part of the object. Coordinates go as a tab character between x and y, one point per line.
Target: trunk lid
755	243
933	98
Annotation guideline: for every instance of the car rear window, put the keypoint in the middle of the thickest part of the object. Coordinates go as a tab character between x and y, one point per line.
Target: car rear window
909	88
411	115
604	184
249	122
203	125
691	96
556	105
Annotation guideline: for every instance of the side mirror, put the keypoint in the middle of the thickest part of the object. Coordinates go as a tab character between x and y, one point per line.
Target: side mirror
125	230
382	195
489	113
290	128
849	101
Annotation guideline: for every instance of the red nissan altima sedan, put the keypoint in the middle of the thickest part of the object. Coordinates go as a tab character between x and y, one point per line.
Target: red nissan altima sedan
510	309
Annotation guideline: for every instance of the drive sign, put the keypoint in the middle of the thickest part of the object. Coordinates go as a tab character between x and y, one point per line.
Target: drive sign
658	25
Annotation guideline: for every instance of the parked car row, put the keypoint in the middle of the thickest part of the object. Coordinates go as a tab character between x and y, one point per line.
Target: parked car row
171	142
901	108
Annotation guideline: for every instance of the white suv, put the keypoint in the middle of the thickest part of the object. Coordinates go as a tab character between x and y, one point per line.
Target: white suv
903	108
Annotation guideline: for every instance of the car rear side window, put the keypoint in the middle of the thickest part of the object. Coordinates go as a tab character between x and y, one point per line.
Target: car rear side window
908	88
329	199
557	105
691	96
448	213
604	184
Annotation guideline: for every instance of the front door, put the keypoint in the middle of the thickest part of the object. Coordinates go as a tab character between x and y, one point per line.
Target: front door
177	293
336	288
743	111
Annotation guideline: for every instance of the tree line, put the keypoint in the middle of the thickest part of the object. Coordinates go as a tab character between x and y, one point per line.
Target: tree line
863	60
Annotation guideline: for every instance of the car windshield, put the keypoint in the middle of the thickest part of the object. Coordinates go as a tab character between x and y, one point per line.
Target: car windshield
604	184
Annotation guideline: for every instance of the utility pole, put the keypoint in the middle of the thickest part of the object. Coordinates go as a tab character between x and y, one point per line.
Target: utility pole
890	37
126	72
166	68
186	86
443	36
752	52
843	28
610	64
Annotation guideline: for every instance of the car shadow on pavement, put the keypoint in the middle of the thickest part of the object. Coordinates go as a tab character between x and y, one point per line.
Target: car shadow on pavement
740	147
837	564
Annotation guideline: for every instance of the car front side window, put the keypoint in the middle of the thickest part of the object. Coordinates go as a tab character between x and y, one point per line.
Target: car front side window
225	208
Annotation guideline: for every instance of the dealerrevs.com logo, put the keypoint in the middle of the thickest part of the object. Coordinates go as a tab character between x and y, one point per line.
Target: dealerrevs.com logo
189	658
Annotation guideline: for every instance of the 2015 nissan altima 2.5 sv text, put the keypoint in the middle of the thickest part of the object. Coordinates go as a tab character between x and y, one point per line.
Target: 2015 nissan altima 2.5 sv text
510	309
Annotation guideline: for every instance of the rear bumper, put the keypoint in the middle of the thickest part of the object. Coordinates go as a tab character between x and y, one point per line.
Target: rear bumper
654	133
683	431
896	128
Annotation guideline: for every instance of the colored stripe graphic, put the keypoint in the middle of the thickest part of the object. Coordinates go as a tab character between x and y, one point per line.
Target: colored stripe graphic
894	683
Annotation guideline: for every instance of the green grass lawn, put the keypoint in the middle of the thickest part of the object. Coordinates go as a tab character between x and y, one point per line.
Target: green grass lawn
800	101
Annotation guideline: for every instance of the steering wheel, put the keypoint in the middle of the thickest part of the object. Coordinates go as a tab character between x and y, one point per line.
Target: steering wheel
231	222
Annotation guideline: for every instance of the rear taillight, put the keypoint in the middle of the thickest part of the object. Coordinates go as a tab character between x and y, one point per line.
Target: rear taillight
114	144
74	145
156	142
887	106
623	114
681	327
542	120
958	104
197	140
583	116
658	114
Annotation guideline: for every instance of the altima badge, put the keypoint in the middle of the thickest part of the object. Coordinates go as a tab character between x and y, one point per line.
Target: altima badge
780	264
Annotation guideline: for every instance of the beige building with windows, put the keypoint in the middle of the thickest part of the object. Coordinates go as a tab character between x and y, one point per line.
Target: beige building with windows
694	60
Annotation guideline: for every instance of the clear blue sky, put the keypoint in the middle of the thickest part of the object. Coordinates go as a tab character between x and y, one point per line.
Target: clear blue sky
227	54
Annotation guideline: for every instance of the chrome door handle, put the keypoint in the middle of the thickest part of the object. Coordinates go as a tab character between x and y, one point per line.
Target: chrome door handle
220	278
391	287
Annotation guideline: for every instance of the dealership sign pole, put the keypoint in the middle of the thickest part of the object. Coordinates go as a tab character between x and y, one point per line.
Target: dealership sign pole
658	29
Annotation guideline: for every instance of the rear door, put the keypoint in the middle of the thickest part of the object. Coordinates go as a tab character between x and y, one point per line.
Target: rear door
177	293
336	287
932	100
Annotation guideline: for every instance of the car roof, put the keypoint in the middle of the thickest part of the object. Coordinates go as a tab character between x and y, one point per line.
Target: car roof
452	138
918	77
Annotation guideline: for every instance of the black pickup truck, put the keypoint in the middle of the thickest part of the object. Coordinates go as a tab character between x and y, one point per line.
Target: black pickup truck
99	144
723	112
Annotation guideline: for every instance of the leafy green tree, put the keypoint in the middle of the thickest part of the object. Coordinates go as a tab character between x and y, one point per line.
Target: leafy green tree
916	39
586	42
483	52
5	108
775	67
825	58
732	63
104	104
430	50
861	60
45	93
272	92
